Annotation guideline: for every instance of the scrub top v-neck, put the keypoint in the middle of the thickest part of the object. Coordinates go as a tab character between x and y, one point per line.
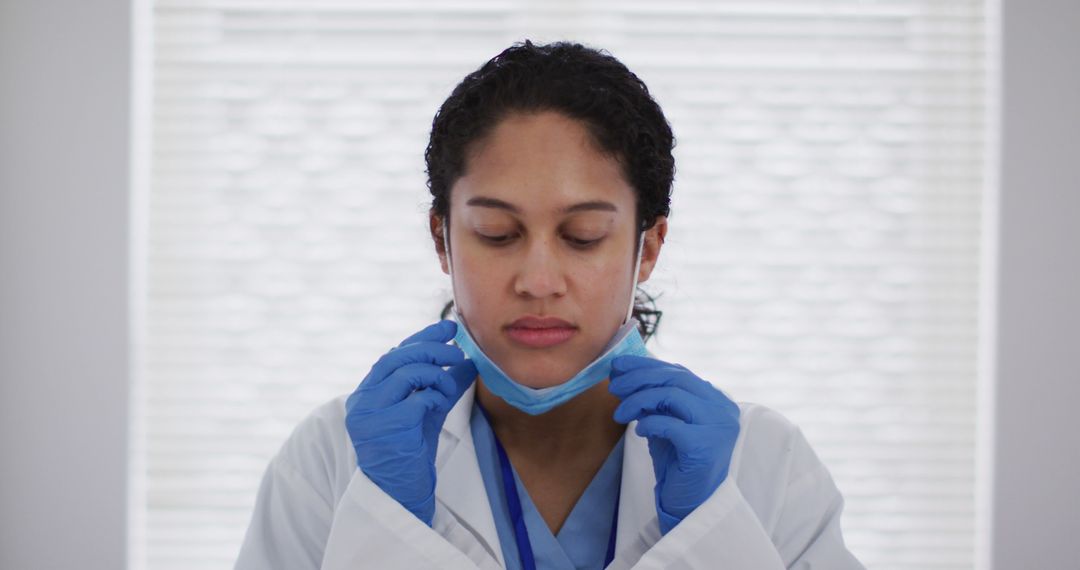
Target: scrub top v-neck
582	541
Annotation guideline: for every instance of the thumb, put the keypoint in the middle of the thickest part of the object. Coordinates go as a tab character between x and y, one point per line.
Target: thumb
441	331
464	375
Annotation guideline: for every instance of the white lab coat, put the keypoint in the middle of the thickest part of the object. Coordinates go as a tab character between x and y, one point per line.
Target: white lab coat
778	507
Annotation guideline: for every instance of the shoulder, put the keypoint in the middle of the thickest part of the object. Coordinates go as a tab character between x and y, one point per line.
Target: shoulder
768	441
773	461
319	450
765	430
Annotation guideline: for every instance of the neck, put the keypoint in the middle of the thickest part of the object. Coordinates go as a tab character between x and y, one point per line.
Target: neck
583	424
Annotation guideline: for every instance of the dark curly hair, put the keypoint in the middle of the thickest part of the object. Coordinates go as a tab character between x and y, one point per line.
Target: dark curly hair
582	83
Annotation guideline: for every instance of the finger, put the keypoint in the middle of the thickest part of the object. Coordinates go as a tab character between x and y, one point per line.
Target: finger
441	331
429	352
679	433
397	420
663	454
400	383
424	402
657	376
456	380
463	375
667	400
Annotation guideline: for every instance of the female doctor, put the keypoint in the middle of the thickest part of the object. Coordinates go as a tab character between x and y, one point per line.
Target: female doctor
546	436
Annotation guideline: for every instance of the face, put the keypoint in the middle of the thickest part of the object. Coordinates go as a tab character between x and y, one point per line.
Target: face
543	228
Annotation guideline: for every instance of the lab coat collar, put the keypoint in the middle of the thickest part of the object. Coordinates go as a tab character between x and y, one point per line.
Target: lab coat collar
459	485
460	488
639	527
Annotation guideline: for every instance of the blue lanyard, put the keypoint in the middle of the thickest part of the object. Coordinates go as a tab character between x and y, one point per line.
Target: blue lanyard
521	534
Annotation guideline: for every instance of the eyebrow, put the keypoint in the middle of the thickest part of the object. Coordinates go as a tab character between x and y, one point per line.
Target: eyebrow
485	202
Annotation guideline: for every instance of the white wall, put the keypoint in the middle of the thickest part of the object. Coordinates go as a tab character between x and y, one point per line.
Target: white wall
64	101
1037	466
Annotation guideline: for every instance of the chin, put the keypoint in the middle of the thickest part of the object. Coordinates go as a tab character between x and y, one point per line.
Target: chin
540	376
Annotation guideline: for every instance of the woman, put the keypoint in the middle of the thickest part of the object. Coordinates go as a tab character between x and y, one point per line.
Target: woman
550	169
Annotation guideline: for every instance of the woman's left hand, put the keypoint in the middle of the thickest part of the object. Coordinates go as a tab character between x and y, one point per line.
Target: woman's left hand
691	427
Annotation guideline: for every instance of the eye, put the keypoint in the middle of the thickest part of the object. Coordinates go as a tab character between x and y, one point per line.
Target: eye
582	243
496	240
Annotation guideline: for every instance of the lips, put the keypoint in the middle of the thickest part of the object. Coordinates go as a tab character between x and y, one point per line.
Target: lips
531	322
540	332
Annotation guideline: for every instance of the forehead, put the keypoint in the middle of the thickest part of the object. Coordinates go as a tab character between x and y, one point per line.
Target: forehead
542	163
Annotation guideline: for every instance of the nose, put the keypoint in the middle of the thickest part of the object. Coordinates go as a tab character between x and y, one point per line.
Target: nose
541	273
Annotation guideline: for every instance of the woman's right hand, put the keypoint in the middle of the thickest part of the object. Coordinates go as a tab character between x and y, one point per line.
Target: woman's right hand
394	417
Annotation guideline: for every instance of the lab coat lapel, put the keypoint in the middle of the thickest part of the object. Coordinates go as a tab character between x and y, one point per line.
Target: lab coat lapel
460	487
639	528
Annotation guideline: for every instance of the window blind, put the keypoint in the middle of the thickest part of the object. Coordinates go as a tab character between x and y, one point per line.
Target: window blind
822	258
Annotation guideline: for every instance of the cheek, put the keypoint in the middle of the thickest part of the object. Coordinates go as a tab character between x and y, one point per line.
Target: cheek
606	282
598	274
476	283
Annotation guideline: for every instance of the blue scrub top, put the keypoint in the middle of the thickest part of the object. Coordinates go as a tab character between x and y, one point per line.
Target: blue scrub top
582	540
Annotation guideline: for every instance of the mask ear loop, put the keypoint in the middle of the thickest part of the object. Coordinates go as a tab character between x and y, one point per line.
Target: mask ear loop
637	268
450	266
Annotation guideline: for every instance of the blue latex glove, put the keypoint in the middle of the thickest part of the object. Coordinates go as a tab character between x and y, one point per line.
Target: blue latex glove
691	427
394	417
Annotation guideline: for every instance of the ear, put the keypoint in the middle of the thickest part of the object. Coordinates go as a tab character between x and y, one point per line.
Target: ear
435	223
654	240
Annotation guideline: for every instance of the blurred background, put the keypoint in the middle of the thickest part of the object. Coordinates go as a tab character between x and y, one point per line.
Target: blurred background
213	219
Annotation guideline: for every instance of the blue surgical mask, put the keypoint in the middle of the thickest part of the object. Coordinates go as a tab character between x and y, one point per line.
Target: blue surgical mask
535	401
